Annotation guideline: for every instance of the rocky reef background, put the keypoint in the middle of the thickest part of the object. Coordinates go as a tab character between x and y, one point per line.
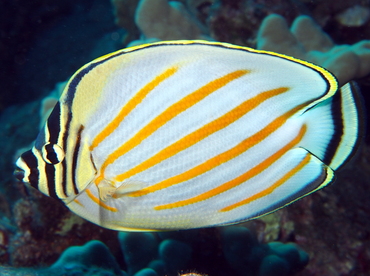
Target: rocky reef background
43	42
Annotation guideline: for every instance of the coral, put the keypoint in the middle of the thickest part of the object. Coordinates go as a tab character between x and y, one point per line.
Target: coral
146	272
150	254
124	11
175	254
355	16
139	248
230	250
39	229
166	21
44	228
244	253
146	253
305	40
92	255
237	21
200	9
345	20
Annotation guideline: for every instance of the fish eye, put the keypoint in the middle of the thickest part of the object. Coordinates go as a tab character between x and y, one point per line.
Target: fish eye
52	153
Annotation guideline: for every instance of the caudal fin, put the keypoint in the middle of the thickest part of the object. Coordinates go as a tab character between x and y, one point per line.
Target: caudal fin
335	127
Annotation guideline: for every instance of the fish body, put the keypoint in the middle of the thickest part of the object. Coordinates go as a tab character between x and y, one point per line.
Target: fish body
189	134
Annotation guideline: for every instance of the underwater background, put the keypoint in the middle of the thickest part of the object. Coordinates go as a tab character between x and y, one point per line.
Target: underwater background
43	42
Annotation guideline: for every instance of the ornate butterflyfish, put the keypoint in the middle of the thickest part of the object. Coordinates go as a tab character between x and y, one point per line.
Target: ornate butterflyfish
189	134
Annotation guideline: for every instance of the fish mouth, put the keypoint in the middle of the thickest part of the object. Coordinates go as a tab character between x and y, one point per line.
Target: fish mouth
19	174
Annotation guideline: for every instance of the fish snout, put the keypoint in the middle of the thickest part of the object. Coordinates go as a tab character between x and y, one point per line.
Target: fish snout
19	173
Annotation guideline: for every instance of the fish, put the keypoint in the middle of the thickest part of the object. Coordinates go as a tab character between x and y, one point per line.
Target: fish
191	134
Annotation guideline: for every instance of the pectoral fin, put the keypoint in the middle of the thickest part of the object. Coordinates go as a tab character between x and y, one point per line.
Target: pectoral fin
107	189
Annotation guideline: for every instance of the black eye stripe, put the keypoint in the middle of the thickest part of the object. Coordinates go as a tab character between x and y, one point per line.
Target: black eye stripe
34	177
51	154
50	178
49	148
31	161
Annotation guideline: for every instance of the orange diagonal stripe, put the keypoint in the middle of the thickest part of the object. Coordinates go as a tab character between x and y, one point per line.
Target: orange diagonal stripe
201	133
131	104
240	179
97	201
223	157
272	188
169	114
78	202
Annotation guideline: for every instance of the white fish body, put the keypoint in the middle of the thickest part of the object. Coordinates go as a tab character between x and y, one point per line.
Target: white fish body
188	134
